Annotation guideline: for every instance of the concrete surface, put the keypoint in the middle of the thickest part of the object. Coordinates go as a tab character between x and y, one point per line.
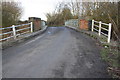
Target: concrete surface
57	53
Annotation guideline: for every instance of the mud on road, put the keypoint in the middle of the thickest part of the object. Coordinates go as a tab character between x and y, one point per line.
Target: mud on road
59	52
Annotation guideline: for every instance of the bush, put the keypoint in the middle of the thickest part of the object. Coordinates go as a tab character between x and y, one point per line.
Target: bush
11	13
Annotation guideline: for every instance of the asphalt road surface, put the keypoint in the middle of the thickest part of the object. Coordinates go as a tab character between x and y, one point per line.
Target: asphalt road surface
57	53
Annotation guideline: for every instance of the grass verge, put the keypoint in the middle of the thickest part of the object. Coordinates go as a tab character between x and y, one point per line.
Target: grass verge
111	55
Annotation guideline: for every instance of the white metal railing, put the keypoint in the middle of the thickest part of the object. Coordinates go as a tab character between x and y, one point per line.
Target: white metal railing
14	30
99	30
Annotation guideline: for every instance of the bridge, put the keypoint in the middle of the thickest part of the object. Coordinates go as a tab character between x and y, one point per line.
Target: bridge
59	52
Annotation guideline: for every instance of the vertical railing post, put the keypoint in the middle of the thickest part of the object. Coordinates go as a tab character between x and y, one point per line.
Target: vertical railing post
92	24
100	28
31	25
14	31
109	32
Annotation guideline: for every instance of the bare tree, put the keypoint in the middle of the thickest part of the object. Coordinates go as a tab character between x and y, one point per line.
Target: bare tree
60	15
11	13
104	11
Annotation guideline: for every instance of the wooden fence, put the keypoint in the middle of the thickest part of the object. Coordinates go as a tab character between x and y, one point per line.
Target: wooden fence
99	27
15	30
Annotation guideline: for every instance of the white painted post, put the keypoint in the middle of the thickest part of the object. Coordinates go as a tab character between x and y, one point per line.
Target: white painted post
109	32
92	24
100	28
31	25
14	32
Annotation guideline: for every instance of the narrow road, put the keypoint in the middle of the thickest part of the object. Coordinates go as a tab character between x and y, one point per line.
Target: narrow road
57	53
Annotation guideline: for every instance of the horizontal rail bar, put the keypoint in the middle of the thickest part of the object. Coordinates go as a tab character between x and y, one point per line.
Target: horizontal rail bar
6	38
105	24
104	34
22	29
96	26
15	26
5	28
25	32
6	33
18	34
22	25
96	21
104	29
22	33
95	29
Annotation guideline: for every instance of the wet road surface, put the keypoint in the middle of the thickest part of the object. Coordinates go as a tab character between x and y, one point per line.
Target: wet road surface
57	53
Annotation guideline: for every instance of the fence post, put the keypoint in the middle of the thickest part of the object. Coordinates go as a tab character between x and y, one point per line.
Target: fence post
31	25
109	32
99	28
92	24
14	32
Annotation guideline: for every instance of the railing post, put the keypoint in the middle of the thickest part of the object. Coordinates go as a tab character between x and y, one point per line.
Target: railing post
109	32
92	24
14	31
100	28
31	25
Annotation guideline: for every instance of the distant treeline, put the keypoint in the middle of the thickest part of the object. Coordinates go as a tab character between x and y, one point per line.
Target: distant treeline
107	12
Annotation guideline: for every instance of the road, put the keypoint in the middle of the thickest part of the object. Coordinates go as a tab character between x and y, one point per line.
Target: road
57	53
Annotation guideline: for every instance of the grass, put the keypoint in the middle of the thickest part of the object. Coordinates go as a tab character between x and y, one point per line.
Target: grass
111	56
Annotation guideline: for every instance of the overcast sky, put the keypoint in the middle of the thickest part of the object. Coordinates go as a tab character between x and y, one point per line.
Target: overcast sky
38	8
